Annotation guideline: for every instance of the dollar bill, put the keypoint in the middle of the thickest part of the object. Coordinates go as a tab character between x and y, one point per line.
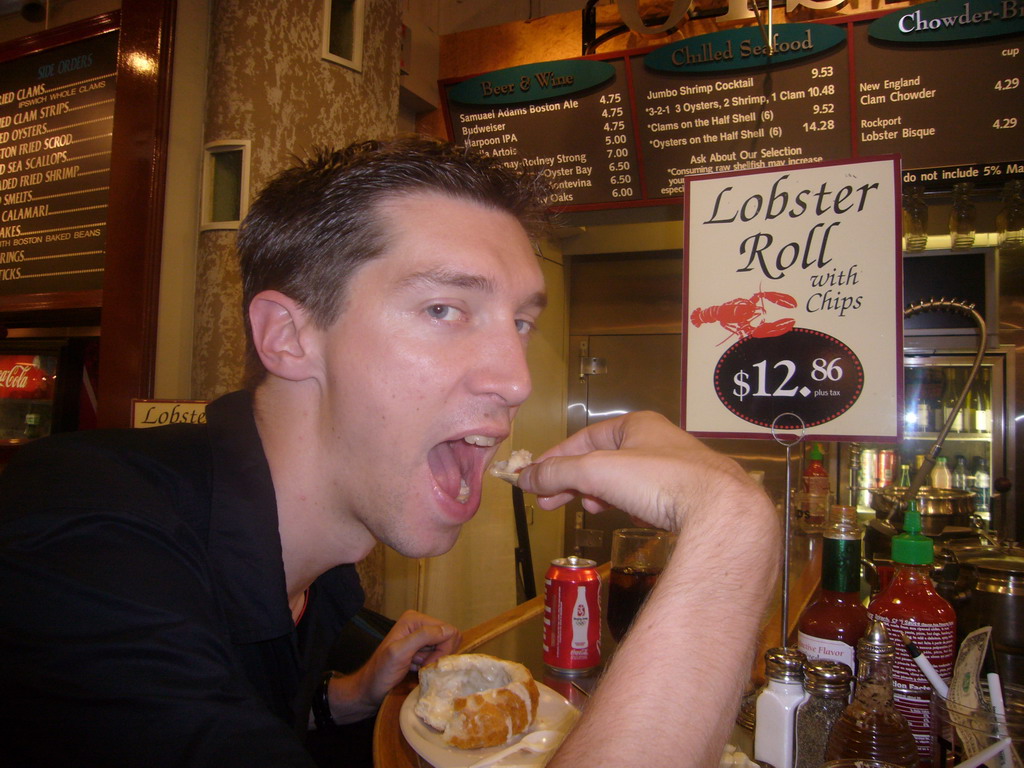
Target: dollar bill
970	711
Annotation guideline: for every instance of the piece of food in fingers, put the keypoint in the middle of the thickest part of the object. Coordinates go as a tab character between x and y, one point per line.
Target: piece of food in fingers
476	700
509	470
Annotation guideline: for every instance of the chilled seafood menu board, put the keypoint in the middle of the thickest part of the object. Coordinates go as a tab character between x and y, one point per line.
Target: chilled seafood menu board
720	119
56	120
912	82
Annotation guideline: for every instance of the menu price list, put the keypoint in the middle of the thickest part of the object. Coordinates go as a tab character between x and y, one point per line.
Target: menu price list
582	142
707	123
907	99
56	119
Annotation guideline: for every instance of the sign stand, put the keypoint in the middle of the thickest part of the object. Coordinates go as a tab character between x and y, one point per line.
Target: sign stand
787	439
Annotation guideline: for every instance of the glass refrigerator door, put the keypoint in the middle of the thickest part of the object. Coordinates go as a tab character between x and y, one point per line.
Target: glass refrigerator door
975	450
39	386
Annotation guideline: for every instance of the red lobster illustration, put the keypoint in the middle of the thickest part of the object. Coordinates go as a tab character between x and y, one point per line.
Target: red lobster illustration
738	316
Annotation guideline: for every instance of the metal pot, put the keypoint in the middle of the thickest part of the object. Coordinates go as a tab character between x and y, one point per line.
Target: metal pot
997	600
940	507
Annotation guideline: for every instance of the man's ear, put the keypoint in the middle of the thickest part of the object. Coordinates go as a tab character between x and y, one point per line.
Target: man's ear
281	336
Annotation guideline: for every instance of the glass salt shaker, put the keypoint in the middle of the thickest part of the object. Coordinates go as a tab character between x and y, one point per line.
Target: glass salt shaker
775	725
828	689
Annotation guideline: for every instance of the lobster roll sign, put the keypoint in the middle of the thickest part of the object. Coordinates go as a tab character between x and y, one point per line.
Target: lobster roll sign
792	302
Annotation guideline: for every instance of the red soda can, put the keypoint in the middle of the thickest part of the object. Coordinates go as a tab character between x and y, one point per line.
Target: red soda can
886	467
572	615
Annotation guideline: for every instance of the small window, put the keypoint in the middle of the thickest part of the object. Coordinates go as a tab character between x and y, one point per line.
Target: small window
343	33
225	184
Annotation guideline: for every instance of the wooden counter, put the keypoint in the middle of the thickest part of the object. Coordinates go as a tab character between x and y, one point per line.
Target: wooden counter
516	634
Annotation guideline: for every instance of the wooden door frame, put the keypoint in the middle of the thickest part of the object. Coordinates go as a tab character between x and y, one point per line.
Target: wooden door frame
126	308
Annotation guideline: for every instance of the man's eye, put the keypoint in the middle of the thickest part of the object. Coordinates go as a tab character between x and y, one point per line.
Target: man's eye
442	312
525	327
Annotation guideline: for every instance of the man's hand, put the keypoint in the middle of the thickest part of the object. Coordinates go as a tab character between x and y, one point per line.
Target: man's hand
414	641
640	463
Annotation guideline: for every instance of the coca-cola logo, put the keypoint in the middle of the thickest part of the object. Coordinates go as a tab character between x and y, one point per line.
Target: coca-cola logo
16	377
21	378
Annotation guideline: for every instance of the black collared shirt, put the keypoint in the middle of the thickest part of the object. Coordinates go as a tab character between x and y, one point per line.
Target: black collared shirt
144	616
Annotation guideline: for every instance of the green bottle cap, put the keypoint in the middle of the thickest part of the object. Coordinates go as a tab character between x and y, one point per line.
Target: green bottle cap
911	547
815	453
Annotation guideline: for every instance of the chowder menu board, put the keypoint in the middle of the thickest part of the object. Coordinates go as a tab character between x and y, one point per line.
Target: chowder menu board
938	83
56	119
700	119
963	101
551	119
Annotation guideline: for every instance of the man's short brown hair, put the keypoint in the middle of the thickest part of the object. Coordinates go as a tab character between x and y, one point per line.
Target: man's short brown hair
315	223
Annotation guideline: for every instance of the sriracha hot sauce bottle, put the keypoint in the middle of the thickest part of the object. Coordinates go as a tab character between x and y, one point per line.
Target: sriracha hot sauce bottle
815	484
832	625
910	606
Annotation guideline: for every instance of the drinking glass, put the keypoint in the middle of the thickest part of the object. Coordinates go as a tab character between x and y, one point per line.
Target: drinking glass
638	557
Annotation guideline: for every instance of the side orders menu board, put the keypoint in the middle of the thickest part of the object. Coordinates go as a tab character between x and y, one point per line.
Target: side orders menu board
56	119
938	83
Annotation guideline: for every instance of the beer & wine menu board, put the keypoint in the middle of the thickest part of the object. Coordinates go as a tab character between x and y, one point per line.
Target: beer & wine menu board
938	84
56	120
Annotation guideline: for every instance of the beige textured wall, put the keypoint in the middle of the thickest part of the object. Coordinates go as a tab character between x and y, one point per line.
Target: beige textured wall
267	83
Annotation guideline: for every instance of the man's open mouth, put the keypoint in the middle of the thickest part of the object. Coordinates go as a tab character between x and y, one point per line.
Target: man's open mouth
457	464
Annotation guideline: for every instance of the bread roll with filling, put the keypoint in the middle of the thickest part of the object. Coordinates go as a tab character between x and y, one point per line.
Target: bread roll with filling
476	700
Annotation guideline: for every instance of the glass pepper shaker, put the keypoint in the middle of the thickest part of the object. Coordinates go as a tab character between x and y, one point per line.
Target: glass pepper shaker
828	688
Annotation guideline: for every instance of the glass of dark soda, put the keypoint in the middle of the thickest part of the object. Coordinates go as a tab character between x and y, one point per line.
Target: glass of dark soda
638	557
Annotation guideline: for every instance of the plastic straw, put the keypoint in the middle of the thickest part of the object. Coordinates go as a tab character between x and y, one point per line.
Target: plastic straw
995	692
986	754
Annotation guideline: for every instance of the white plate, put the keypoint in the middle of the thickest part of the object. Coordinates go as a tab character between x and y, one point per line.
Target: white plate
553	711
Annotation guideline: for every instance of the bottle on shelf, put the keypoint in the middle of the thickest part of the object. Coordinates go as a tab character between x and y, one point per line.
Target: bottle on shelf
871	727
962	216
941	477
960	474
32	422
911	606
1010	219
924	409
831	626
982	486
950	393
982	407
775	724
904	477
912	387
915	219
828	691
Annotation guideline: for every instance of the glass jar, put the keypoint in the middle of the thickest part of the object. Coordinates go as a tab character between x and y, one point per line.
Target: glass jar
915	219
962	216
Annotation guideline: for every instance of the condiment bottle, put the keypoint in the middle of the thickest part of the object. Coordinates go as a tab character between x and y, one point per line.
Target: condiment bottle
832	625
910	605
828	690
775	724
816	489
871	728
941	476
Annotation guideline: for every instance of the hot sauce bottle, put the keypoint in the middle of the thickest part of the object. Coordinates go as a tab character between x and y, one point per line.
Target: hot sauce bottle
910	605
832	625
